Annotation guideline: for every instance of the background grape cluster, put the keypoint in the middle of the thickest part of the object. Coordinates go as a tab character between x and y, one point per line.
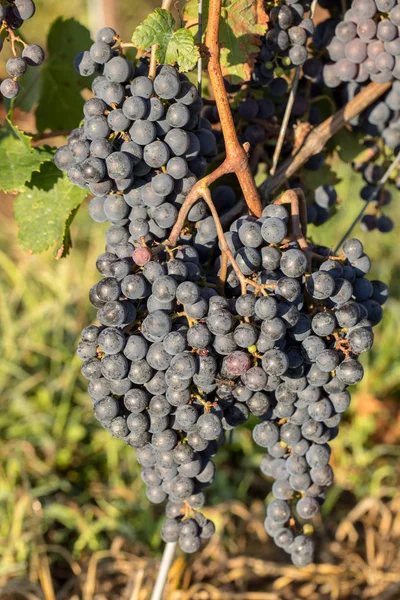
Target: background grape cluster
285	43
259	108
12	16
366	44
380	122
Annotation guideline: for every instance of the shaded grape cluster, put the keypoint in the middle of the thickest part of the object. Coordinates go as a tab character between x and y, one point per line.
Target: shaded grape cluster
285	42
12	17
322	209
258	119
381	119
379	197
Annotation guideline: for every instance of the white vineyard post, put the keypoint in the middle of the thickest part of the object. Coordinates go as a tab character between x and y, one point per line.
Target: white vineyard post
166	562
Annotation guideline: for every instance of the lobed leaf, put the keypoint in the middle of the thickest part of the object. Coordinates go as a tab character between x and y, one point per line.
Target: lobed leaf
157	28
173	46
182	50
65	246
44	213
18	159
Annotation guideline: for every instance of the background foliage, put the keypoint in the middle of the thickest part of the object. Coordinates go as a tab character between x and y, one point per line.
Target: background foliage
67	489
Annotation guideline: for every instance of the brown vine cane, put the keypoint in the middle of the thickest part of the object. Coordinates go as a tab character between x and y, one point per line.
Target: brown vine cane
315	142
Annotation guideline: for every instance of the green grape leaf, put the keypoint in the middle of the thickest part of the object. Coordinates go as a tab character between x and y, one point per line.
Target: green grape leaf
60	101
157	28
324	176
66	244
173	46
44	214
46	178
182	50
18	159
242	24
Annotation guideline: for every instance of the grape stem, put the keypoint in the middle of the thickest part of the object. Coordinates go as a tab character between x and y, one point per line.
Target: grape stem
191	322
257	155
223	273
236	154
194	195
298	216
285	122
13	38
166	5
225	250
37	137
298	221
199	41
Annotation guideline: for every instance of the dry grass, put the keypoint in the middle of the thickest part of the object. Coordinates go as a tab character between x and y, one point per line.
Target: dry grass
362	562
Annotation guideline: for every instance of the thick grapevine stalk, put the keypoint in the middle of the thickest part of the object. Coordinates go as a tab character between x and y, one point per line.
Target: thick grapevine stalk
236	155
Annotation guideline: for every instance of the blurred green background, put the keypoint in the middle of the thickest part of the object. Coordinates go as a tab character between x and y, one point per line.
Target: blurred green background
64	482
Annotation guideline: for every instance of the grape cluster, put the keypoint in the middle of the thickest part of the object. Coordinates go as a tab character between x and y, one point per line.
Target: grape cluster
373	192
12	16
258	107
285	43
150	376
142	145
379	122
173	364
293	357
381	119
138	362
251	112
366	44
257	120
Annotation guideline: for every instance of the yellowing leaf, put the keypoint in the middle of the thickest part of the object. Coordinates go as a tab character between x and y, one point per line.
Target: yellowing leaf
243	22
